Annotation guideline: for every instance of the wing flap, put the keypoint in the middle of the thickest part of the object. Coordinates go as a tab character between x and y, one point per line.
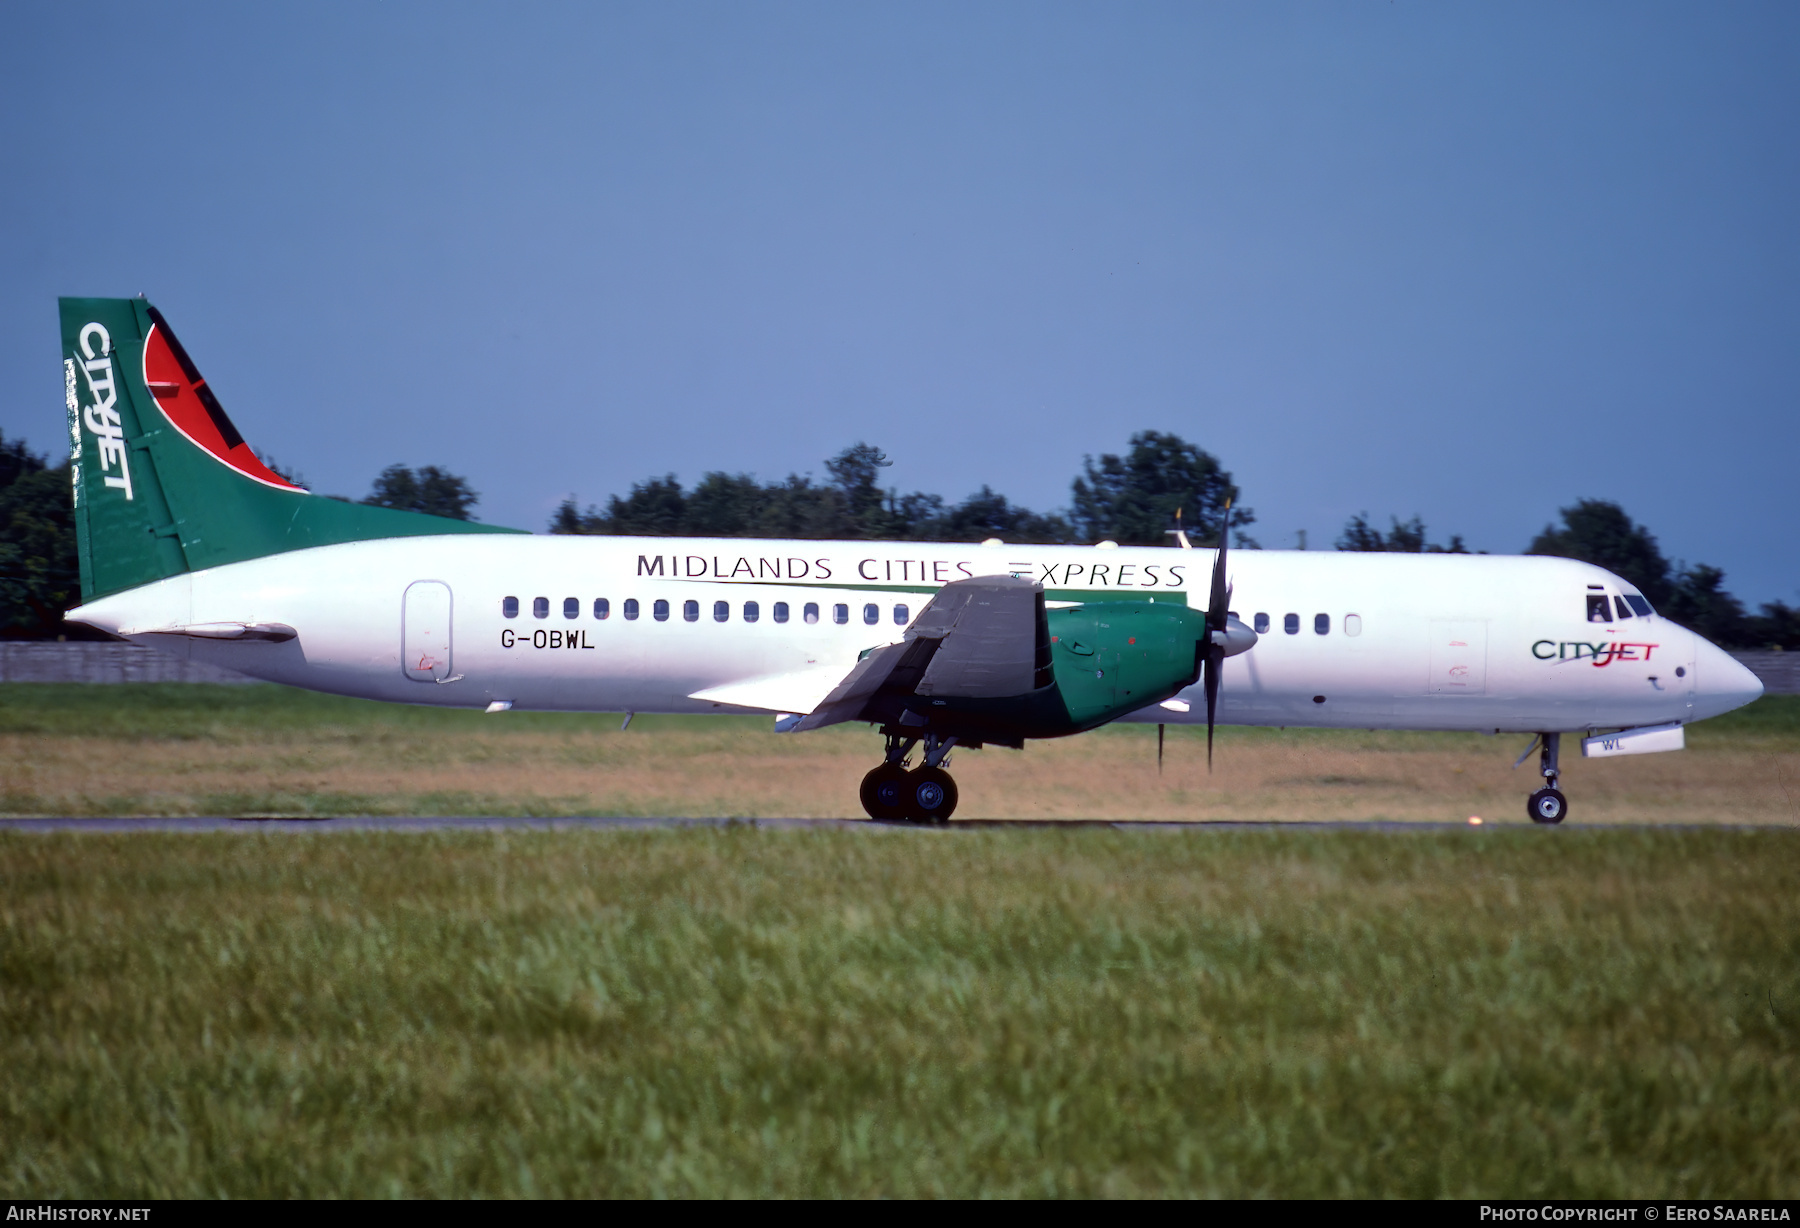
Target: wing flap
989	640
976	639
847	699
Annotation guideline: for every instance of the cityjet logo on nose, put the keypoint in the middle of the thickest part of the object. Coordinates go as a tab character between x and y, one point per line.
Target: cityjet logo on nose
101	417
1599	655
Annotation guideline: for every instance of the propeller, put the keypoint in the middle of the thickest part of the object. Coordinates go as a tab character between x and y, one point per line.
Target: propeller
1216	615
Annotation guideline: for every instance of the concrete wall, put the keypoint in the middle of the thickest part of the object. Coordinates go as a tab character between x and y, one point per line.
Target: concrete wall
88	661
1779	671
30	661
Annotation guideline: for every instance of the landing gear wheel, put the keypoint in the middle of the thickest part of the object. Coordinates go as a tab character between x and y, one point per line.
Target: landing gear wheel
885	793
930	795
1547	806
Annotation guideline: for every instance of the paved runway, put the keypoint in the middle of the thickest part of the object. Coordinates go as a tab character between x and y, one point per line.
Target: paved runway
465	823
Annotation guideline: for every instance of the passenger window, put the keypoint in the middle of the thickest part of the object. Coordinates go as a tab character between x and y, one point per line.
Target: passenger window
1353	624
1261	624
602	608
571	607
1290	623
871	614
840	614
1321	624
781	611
901	615
509	607
752	611
660	611
1623	609
540	607
631	609
812	612
721	611
1597	608
690	610
1639	604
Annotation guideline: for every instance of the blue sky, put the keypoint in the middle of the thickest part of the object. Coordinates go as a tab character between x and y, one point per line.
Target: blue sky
1466	261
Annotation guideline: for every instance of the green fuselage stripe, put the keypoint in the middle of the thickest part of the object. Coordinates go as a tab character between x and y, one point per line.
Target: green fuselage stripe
1163	597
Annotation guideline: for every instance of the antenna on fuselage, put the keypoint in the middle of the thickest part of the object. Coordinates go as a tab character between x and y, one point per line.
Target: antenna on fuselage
1179	533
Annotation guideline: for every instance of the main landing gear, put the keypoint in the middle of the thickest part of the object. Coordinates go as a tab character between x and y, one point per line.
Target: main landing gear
925	794
1548	805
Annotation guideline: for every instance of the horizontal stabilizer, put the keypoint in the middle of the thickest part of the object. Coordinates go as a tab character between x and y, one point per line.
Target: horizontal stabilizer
277	633
800	691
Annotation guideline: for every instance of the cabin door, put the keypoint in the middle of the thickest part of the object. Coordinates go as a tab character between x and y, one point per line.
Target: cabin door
1458	658
425	642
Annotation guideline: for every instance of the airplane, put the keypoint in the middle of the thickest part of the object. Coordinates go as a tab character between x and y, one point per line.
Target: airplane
192	545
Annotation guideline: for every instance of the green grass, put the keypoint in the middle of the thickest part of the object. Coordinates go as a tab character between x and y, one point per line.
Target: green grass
173	711
183	711
165	749
1058	1012
236	715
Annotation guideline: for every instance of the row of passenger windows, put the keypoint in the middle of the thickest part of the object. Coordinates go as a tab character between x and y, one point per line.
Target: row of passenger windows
690	610
1290	623
840	613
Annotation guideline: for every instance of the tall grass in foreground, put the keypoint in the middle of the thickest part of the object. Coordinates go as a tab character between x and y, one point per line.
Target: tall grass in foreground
717	1012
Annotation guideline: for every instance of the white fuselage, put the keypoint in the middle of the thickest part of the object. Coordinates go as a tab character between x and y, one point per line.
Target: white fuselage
1397	641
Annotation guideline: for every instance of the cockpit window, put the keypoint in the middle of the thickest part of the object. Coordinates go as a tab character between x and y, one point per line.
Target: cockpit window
1639	604
1598	608
1624	610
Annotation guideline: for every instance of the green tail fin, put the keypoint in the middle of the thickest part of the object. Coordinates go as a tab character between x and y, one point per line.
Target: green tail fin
163	482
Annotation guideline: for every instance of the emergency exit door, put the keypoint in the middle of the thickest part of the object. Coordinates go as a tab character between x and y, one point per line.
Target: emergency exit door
425	641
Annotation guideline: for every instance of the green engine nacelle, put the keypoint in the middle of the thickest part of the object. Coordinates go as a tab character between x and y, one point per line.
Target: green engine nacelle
1097	661
1115	657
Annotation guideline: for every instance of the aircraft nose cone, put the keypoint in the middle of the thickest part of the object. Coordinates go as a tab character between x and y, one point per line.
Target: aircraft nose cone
1721	683
1235	637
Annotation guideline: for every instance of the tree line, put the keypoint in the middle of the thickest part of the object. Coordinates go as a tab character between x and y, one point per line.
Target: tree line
1160	482
1131	499
1598	531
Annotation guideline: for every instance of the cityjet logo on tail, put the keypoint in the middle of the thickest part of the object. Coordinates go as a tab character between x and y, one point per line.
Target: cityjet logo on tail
101	417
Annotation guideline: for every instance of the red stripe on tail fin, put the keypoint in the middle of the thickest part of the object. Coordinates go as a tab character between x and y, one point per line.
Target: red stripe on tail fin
191	407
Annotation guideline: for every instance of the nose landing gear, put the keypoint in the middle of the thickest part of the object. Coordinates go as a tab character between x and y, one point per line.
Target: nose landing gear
925	794
1548	805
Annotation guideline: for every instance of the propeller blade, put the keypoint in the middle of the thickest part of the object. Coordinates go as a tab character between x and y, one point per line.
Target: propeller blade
1159	744
1215	657
1217	611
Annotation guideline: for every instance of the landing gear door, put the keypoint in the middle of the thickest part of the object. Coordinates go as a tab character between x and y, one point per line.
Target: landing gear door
425	641
1458	658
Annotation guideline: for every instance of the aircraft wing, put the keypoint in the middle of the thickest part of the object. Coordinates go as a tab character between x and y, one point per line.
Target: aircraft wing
976	639
799	691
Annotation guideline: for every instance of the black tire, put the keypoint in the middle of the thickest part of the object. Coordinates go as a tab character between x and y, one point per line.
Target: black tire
1547	806
931	795
885	793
